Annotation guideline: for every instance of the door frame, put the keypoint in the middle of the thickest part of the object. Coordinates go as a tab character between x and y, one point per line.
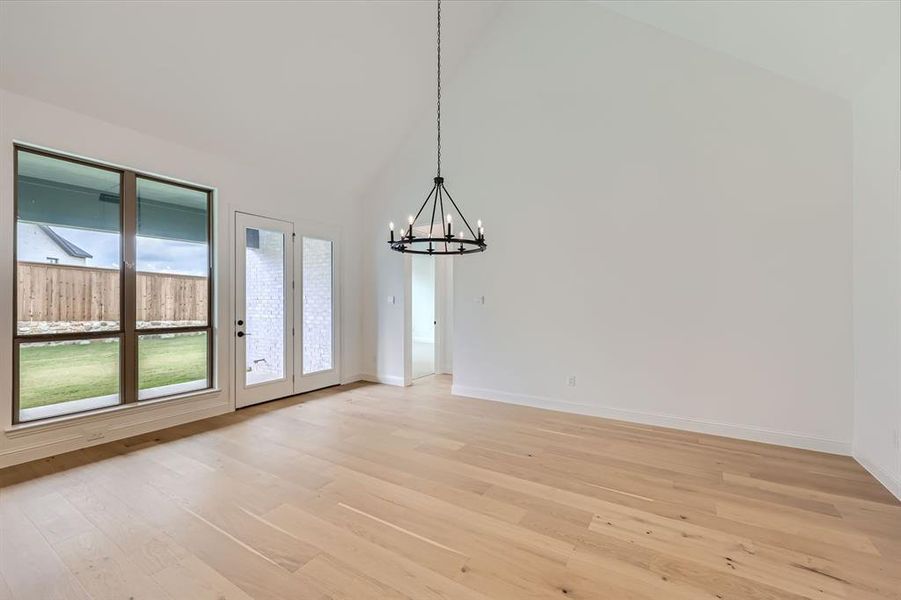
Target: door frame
444	314
279	388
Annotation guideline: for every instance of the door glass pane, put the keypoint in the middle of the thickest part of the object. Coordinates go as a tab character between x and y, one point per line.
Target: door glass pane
57	378
172	363
264	297
68	242
317	305
172	255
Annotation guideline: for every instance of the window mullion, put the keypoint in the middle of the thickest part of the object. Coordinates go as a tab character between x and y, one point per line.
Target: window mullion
129	288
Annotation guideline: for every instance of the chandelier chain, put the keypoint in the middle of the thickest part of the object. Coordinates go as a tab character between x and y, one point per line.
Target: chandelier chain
443	239
439	88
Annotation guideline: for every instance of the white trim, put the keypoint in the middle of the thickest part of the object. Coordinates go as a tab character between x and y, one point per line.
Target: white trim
59	409
444	314
742	432
172	389
103	414
892	484
386	379
353	378
408	324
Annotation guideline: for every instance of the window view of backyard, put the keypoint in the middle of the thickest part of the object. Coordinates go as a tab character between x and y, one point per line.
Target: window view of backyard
65	371
171	364
57	372
72	340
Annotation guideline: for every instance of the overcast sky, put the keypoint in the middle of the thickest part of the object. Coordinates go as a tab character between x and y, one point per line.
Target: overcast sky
160	256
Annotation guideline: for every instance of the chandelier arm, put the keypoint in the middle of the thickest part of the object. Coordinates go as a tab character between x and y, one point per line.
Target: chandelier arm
441	200
459	212
434	204
426	201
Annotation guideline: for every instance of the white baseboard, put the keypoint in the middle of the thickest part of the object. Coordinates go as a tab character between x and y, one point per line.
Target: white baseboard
345	379
386	379
742	432
892	484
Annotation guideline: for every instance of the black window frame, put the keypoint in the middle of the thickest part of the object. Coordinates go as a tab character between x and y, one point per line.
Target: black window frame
127	333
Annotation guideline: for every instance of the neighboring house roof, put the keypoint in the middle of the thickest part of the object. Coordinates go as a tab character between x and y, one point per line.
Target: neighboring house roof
67	246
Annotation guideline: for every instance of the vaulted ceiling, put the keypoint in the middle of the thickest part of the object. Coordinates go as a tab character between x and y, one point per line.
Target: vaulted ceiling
325	89
330	89
834	45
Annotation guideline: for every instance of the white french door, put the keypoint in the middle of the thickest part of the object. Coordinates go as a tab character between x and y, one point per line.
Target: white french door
286	309
264	309
316	308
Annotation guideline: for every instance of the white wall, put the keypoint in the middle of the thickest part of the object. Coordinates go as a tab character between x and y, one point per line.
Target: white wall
273	193
877	274
668	224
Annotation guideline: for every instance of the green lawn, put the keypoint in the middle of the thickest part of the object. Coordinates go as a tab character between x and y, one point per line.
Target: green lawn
52	374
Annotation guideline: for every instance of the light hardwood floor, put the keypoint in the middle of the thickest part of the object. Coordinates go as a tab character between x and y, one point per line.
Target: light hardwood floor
369	491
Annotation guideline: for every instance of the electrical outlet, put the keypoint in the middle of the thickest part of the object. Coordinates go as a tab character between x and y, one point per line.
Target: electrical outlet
571	382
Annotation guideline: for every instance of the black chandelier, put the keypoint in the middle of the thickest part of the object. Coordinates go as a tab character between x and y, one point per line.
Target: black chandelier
441	238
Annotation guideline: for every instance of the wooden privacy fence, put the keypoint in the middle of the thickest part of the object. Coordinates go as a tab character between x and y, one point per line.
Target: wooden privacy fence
48	292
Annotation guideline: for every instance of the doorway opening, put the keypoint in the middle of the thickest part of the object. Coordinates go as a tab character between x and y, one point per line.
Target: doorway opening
430	319
424	320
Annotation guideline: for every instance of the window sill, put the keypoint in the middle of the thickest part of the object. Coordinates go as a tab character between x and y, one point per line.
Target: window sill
22	429
65	409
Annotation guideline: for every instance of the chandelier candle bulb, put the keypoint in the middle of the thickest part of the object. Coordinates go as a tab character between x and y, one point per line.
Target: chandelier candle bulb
391	230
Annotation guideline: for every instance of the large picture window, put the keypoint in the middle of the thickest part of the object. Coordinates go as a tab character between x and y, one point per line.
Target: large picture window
113	287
